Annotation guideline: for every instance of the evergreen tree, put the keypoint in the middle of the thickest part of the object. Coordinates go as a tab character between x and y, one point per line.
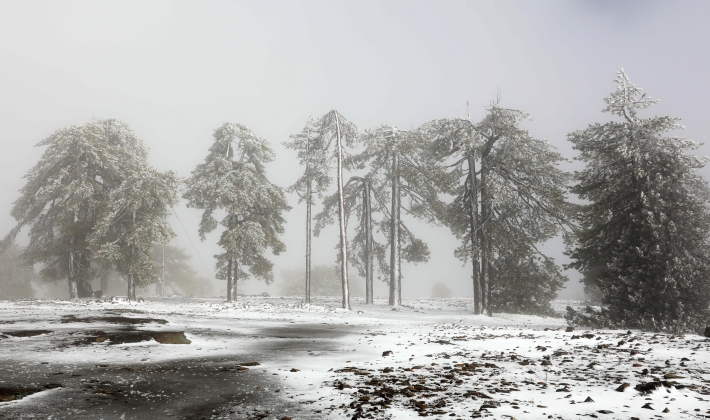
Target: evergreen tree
508	198
402	174
360	204
135	219
233	179
312	154
525	284
643	240
333	133
66	191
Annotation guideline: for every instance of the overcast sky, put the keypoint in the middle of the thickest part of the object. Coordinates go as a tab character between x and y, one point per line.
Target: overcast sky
176	70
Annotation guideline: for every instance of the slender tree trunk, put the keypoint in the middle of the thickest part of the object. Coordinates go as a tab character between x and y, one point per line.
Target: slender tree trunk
234	281
131	280
229	279
162	280
82	273
489	290
473	216
308	242
485	240
72	275
230	296
395	298
341	219
368	242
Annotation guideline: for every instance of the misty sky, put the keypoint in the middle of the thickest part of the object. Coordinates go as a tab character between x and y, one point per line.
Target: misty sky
176	70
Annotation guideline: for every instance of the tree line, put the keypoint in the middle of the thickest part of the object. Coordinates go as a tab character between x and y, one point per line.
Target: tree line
640	239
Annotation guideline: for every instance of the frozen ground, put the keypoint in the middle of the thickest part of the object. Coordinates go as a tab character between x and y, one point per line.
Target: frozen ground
278	358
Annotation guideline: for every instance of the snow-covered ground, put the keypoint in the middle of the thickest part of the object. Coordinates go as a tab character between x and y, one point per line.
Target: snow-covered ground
429	357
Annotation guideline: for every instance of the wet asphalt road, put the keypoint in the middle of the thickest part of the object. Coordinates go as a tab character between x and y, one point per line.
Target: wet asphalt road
200	388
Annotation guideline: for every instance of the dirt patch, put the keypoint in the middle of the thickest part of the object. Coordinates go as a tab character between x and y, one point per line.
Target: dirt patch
127	337
171	338
112	320
18	393
27	333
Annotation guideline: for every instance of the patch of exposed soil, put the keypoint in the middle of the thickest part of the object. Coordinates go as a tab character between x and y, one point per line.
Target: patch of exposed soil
20	392
27	333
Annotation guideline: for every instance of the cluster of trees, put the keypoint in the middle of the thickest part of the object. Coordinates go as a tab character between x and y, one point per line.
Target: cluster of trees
640	239
94	206
508	197
93	198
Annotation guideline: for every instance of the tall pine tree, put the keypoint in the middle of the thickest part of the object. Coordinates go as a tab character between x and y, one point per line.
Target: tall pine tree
405	178
312	154
363	248
334	134
135	219
233	180
509	197
643	239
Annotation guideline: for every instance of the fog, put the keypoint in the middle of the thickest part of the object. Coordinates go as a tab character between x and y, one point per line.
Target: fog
175	71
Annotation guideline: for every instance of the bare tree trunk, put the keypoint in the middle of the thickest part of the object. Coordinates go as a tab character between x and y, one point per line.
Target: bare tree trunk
229	279
395	298
475	253
485	240
131	293
368	242
131	280
230	297
236	277
308	242
341	219
72	275
82	272
162	280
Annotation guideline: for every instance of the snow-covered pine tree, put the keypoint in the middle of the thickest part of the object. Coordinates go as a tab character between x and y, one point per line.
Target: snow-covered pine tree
233	179
643	238
66	191
363	249
135	219
334	133
312	154
509	197
403	175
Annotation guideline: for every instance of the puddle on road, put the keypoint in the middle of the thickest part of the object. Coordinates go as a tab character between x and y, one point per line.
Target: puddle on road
137	336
